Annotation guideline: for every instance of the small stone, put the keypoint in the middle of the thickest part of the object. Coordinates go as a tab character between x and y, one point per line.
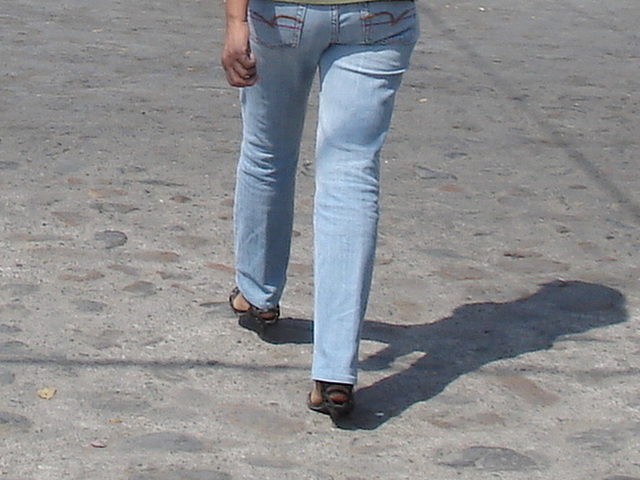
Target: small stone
74	181
609	439
182	474
174	276
70	219
492	459
521	254
221	266
191	241
141	287
9	165
126	269
13	347
114	208
451	188
27	237
13	421
453	155
161	183
9	329
270	462
20	289
99	192
529	390
425	173
89	276
462	273
111	238
168	441
159	256
120	403
89	306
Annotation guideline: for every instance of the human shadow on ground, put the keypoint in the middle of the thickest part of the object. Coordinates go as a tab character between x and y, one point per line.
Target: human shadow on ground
473	336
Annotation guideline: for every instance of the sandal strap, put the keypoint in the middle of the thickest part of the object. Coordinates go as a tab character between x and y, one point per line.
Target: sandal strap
267	315
343	389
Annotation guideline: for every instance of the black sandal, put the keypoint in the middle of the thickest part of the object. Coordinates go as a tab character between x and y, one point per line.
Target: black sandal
337	400
263	317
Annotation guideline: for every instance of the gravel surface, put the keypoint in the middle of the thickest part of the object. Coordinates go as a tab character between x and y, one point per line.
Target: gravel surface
502	338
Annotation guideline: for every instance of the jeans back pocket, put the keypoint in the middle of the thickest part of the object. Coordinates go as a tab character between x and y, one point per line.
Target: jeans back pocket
276	24
390	22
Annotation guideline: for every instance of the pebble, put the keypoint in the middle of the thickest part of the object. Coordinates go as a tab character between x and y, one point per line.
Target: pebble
84	277
608	439
159	256
111	238
89	306
141	287
4	165
111	207
11	421
492	459
120	403
13	347
182	474
70	219
426	173
9	329
166	441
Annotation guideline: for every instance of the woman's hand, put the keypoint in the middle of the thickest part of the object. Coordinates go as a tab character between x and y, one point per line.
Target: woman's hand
237	60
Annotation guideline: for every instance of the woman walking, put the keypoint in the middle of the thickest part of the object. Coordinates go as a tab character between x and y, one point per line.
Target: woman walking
273	50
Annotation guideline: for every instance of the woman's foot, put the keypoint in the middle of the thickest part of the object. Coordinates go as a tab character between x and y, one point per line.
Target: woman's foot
335	399
241	306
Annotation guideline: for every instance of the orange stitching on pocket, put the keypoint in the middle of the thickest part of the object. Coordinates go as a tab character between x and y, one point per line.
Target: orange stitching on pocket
392	19
274	21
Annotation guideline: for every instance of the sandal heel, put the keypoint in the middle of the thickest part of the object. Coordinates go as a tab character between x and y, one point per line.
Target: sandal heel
335	409
254	318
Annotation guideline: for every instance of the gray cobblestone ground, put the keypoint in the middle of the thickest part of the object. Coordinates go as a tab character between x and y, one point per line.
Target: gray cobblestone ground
502	337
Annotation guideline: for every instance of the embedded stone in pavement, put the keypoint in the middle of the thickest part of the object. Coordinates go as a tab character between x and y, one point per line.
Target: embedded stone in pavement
494	459
169	441
110	238
182	475
11	421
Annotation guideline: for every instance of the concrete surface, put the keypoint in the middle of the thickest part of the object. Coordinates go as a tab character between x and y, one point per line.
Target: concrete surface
502	338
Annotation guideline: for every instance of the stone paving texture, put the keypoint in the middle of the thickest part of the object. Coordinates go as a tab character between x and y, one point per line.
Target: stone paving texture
502	337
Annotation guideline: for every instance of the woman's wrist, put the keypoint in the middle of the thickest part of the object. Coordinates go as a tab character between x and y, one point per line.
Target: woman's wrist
236	11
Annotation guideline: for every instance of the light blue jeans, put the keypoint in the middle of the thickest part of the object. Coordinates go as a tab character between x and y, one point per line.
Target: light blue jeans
360	52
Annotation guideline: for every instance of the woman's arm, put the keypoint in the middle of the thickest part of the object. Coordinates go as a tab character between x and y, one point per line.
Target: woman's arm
237	60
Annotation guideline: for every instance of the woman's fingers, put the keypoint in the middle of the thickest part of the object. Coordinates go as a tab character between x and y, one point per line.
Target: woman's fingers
241	73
